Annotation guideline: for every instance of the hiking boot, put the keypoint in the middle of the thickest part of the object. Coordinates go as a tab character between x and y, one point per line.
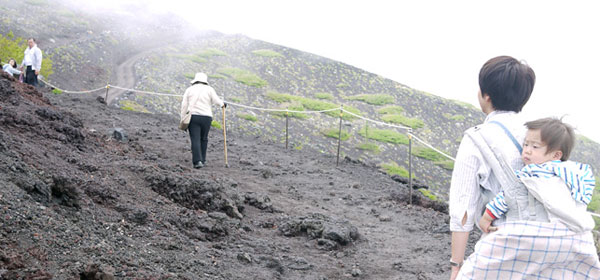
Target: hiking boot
198	165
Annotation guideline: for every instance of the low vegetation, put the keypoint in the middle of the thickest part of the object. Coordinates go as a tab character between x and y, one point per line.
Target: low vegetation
267	53
129	105
210	52
384	135
324	95
393	168
248	117
243	76
13	47
431	155
369	147
391	110
313	104
373	99
405	121
335	133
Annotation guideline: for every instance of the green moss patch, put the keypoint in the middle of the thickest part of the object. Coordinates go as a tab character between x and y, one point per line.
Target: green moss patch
393	168
248	117
243	76
369	147
313	104
210	52
324	95
373	99
129	105
384	135
435	157
396	110
335	133
267	53
216	124
405	121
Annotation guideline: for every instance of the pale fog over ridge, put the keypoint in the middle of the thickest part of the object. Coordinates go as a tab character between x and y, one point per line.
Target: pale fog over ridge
433	46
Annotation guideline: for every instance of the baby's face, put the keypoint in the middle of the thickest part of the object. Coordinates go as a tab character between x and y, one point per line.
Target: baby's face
535	150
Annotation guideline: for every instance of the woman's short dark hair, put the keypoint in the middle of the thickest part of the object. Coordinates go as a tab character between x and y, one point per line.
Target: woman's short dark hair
507	82
557	135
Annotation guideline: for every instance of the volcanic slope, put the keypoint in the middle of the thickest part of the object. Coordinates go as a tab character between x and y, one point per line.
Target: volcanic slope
75	201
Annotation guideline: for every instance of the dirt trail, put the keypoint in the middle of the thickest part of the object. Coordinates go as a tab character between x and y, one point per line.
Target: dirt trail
125	75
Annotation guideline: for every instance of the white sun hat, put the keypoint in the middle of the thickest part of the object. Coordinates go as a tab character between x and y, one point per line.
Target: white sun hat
200	77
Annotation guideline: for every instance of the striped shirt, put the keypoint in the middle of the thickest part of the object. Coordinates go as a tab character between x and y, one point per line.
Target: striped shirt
578	177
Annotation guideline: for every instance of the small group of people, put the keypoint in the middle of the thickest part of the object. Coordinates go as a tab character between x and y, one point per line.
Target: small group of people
30	67
533	216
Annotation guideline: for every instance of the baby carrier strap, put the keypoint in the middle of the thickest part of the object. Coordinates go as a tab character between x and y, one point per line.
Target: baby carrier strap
522	204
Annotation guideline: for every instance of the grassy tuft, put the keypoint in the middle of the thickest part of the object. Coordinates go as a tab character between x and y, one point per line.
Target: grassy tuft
324	95
313	104
427	193
400	119
385	135
243	76
393	168
373	99
216	125
396	110
57	91
248	117
369	147
208	53
267	53
335	133
129	105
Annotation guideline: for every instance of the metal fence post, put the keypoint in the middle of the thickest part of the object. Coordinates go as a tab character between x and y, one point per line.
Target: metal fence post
106	95
339	136
410	168
287	117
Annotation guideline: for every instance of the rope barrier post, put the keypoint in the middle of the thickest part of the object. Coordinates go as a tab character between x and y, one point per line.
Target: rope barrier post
366	132
410	169
339	136
225	138
106	95
287	117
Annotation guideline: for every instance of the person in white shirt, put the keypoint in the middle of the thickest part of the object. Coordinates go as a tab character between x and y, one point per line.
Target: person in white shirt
198	100
32	63
505	87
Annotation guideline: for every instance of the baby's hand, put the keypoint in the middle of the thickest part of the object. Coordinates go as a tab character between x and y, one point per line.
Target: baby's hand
485	223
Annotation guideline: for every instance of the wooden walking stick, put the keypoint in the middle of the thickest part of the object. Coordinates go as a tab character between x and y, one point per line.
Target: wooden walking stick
225	137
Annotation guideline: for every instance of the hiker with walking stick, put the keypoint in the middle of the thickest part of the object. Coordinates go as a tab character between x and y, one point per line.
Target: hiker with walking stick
197	101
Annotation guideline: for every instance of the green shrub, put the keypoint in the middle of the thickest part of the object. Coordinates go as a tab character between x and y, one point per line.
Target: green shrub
293	107
393	168
369	147
427	193
243	76
385	135
248	117
335	133
11	47
267	53
431	155
405	121
324	95
313	104
594	205
129	105
373	99
396	110
210	52
216	124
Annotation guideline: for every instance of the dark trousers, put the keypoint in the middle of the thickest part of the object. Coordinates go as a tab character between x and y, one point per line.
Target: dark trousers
31	77
198	128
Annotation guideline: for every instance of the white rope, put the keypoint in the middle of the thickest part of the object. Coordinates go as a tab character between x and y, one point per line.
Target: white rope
71	91
594	214
378	122
146	92
431	147
279	110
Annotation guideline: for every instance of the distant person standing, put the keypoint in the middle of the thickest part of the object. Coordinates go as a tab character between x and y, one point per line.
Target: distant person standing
32	63
198	100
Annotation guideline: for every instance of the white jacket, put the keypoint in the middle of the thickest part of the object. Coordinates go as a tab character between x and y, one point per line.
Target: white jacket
198	100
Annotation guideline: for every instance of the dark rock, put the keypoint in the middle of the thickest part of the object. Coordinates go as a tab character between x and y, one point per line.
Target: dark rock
119	134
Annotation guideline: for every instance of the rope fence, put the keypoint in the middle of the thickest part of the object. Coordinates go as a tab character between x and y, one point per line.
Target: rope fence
341	109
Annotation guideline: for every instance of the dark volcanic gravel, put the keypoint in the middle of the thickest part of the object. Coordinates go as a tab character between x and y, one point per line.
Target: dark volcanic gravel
75	202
